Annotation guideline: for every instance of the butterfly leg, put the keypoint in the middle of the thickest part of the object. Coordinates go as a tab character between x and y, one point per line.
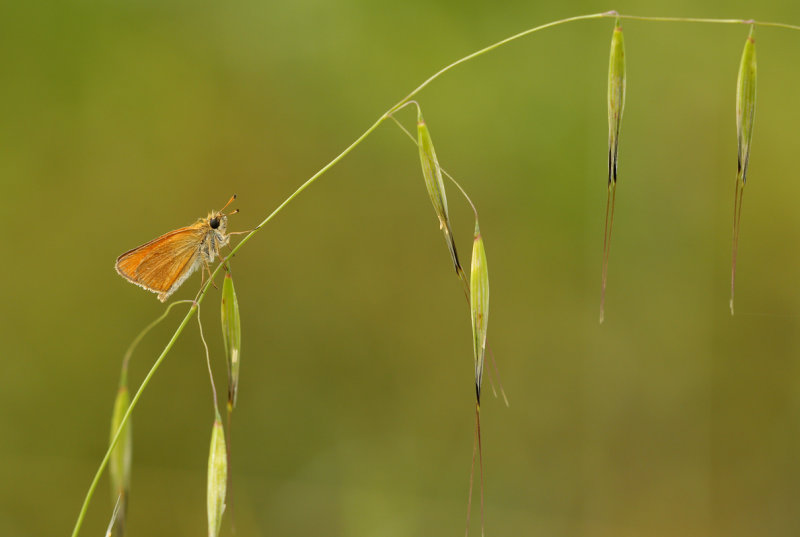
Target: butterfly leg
208	269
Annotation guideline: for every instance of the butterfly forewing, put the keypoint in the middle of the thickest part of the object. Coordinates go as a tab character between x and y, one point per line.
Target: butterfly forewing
162	264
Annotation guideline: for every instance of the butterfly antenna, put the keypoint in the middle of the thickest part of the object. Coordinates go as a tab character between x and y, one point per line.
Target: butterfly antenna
232	212
229	202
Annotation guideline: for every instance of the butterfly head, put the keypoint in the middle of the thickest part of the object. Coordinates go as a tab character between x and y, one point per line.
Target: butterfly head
217	220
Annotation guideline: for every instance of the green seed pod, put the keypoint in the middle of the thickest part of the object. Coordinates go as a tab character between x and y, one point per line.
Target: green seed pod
120	462
231	336
745	118
746	103
479	305
616	105
217	478
432	173
616	98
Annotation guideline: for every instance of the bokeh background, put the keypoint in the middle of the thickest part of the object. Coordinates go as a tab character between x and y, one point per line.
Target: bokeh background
122	120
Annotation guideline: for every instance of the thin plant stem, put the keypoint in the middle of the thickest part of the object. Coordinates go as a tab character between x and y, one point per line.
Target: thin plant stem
776	25
464	192
123	378
480	458
685	19
493	46
472	475
737	218
407	103
229	489
711	21
208	362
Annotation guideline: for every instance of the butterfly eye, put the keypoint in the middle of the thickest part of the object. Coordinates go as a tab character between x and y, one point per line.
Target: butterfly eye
214	223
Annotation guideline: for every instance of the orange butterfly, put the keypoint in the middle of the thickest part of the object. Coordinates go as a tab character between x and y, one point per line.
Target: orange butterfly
163	264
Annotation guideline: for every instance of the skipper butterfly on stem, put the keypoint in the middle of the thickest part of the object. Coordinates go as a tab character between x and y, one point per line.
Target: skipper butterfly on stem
164	263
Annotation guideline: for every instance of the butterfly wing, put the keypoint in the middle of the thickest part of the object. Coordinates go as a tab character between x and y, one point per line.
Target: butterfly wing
163	264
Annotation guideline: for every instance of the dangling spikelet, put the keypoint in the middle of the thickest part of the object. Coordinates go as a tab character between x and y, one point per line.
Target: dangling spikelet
217	478
432	173
120	462
616	105
231	336
745	117
479	305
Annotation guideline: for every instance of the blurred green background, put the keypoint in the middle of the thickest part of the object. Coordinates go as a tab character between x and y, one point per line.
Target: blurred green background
122	120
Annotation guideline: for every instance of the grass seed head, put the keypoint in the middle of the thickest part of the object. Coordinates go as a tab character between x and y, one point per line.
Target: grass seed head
431	171
231	336
479	305
746	103
217	478
616	98
120	462
616	106
745	118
